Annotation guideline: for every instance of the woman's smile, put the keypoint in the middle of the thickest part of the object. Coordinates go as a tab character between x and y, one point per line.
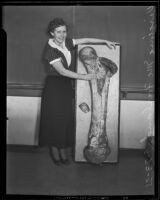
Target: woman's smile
60	34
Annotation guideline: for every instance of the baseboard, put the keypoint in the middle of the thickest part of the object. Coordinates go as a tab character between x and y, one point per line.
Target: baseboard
25	148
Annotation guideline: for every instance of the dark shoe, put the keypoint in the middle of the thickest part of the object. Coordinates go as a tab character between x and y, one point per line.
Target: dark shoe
57	162
64	161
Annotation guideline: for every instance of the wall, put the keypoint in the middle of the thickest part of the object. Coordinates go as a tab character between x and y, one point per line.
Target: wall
26	36
125	25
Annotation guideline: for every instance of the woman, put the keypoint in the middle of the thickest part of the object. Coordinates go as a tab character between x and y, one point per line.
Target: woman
57	116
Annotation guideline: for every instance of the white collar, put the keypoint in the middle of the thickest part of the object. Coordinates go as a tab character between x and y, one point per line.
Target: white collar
54	45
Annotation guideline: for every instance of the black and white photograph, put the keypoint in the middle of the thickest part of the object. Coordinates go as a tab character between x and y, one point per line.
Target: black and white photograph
80	99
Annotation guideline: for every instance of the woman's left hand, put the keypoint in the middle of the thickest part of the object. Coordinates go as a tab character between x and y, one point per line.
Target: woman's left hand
110	45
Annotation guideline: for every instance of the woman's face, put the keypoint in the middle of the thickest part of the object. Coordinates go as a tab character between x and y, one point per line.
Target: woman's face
60	34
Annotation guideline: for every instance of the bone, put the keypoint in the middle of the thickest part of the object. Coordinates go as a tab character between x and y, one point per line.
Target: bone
97	149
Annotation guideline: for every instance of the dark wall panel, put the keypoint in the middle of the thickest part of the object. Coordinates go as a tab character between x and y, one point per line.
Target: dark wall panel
125	25
26	37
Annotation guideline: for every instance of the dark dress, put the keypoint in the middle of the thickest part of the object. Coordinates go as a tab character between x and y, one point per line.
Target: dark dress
57	108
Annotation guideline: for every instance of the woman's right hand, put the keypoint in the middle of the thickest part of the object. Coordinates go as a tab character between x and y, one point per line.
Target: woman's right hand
93	76
90	77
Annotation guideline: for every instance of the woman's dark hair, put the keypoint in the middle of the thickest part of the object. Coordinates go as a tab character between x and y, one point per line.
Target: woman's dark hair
55	23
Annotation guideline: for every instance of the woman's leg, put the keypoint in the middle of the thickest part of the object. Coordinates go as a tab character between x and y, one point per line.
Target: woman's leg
54	153
64	156
70	153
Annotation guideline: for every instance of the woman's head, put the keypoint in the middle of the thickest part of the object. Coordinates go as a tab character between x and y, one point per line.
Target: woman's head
58	30
55	23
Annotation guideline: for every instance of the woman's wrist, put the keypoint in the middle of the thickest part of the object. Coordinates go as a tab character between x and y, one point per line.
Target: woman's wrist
79	76
83	76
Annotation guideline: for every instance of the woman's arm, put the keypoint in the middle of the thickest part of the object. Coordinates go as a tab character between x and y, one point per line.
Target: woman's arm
94	40
64	72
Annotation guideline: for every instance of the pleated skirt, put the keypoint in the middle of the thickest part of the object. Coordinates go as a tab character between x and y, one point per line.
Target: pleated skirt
57	113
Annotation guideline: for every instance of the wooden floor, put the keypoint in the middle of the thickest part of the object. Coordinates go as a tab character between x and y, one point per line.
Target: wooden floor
31	171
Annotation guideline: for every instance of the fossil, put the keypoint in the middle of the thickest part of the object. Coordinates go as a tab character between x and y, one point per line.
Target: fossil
97	149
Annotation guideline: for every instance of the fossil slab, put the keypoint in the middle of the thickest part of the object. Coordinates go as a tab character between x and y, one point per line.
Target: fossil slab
97	125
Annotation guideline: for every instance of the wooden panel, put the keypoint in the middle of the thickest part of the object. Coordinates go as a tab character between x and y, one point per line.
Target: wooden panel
23	120
136	123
